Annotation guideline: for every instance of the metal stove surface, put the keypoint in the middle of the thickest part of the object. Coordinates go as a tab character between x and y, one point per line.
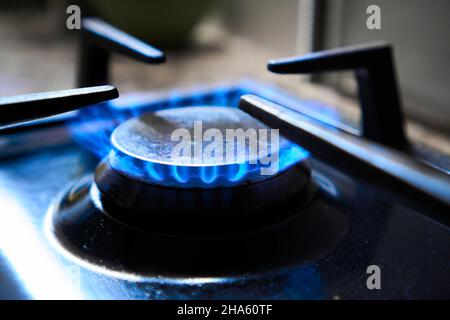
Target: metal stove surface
383	229
347	226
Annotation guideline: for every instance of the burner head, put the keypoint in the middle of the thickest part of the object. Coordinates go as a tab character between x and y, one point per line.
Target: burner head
143	148
140	183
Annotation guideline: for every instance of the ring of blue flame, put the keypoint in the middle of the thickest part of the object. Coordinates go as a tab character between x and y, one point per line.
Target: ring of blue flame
94	126
200	176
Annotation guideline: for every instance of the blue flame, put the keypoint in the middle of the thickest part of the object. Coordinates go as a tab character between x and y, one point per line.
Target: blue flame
240	173
201	176
209	174
94	126
153	172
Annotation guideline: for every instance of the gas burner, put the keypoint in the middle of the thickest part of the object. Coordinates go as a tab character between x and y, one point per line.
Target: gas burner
140	184
143	146
207	195
135	197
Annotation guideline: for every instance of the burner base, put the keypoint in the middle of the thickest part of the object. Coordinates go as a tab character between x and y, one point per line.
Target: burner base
196	211
88	234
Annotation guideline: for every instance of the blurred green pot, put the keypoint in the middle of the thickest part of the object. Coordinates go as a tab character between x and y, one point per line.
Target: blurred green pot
164	23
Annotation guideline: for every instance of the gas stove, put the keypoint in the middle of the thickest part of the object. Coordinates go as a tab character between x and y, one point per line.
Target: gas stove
95	207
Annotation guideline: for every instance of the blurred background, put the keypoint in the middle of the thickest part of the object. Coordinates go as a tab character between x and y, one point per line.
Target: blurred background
209	41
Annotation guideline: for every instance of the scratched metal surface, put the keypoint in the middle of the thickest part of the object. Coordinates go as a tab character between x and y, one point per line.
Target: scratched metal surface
411	249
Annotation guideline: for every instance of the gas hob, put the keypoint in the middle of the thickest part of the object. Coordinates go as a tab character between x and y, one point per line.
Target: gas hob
103	211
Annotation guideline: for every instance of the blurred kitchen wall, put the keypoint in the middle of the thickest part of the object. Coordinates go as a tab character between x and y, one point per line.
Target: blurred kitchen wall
269	23
418	29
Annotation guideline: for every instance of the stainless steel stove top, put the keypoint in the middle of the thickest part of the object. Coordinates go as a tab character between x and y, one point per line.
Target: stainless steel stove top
75	226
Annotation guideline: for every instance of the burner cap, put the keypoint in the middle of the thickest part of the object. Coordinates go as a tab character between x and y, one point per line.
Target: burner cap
143	147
